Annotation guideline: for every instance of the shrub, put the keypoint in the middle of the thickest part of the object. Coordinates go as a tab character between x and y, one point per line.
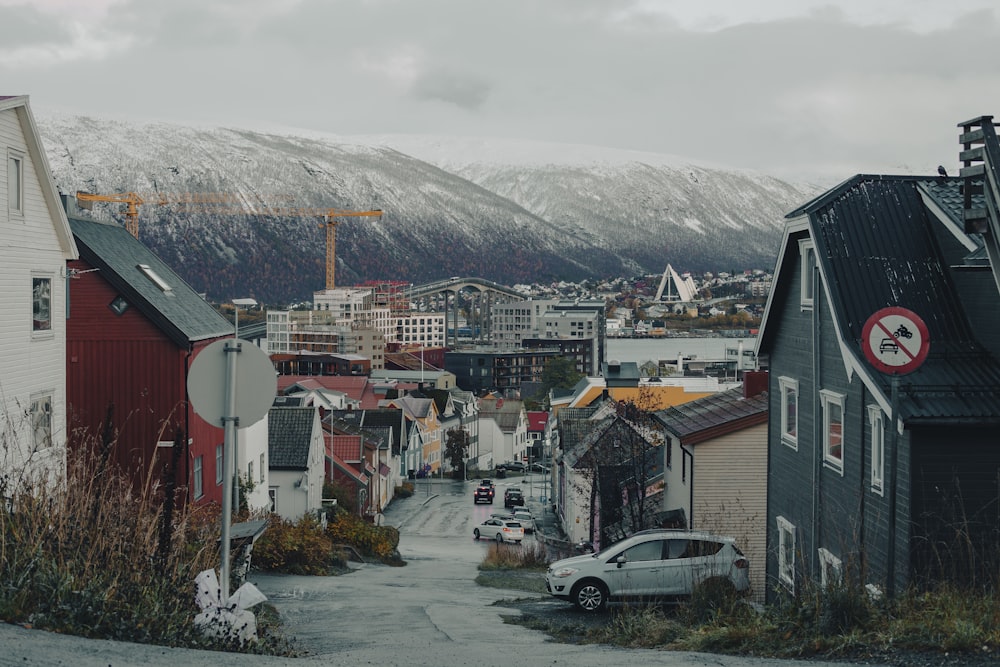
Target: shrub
97	555
299	547
509	556
378	541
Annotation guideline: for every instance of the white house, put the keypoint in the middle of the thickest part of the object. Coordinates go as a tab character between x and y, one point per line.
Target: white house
35	244
503	431
252	463
295	458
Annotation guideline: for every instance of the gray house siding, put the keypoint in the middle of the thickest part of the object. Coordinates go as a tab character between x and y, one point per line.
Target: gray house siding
830	509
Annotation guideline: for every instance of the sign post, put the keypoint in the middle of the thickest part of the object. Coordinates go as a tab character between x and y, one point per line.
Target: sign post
895	341
215	374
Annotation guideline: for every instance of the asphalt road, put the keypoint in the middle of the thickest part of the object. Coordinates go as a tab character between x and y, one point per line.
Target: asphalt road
428	612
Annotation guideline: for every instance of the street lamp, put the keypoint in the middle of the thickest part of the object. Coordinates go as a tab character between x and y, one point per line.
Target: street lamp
237	303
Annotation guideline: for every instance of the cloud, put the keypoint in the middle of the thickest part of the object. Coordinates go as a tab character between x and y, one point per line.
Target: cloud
462	90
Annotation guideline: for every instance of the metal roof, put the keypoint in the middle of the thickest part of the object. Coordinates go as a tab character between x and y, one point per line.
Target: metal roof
876	248
714	415
173	306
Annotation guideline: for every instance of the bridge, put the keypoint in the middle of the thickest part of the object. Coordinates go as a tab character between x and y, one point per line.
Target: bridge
482	293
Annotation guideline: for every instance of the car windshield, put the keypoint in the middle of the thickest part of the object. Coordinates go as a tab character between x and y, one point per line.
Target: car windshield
512	524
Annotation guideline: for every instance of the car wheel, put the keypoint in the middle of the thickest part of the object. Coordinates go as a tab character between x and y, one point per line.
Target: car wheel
476	533
590	596
499	538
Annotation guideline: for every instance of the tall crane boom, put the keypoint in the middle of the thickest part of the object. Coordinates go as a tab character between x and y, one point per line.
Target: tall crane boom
133	201
330	215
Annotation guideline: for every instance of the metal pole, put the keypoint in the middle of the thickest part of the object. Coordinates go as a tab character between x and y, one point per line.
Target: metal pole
229	449
890	583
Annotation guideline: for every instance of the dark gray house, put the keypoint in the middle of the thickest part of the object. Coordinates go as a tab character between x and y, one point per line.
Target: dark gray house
888	492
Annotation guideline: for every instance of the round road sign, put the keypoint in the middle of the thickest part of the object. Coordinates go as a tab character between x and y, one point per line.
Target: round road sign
256	383
895	340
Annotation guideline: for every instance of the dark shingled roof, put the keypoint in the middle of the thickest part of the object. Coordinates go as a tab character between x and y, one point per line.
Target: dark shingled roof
289	436
714	415
181	313
876	248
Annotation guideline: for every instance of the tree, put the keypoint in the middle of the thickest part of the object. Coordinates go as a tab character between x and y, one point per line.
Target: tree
560	372
456	450
620	469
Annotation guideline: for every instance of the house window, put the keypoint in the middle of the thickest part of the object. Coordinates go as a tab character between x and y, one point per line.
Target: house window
789	411
807	255
15	184
41	304
272	499
786	553
261	468
877	446
41	421
250	472
830	568
118	305
199	490
219	463
833	429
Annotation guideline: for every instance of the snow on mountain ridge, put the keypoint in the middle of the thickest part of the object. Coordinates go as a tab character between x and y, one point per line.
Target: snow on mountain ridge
523	212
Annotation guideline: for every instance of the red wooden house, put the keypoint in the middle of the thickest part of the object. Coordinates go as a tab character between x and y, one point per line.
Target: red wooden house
134	328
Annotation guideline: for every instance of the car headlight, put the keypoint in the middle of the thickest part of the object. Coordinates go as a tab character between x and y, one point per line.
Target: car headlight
565	572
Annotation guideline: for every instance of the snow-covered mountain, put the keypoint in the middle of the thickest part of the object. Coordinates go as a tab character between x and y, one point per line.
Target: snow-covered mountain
514	212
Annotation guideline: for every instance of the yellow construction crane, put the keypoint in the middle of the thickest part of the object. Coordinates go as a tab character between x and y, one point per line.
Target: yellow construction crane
225	203
331	222
133	201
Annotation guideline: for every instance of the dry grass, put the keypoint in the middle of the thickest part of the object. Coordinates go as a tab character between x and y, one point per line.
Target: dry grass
98	556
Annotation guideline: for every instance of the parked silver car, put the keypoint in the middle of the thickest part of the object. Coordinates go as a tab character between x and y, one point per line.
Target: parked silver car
652	565
525	518
499	529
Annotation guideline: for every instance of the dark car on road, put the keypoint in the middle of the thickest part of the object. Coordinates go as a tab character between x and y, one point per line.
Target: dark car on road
513	497
484	492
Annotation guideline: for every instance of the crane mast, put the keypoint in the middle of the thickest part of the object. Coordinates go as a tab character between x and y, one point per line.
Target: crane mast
329	215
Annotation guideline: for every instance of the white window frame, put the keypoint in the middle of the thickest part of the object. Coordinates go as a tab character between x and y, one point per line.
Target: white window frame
15	183
789	432
41	421
830	565
262	464
829	401
41	304
219	464
786	552
876	424
197	477
250	471
807	264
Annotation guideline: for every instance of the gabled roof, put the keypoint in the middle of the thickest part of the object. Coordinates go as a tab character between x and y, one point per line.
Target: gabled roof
387	422
50	194
505	412
712	416
289	437
171	305
876	247
537	420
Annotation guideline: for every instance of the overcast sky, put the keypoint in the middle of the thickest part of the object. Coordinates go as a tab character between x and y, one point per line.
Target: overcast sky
796	88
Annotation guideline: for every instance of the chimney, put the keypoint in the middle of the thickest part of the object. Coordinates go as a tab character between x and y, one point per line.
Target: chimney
754	382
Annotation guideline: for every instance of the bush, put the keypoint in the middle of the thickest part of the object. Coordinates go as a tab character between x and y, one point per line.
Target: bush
103	556
380	542
300	547
509	556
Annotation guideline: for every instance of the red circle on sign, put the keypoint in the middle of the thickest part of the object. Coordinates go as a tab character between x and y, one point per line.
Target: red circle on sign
895	340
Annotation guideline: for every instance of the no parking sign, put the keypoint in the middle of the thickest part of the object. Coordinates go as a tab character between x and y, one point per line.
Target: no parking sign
895	340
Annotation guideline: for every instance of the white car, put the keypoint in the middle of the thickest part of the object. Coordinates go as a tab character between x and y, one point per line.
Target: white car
499	529
652	565
524	518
